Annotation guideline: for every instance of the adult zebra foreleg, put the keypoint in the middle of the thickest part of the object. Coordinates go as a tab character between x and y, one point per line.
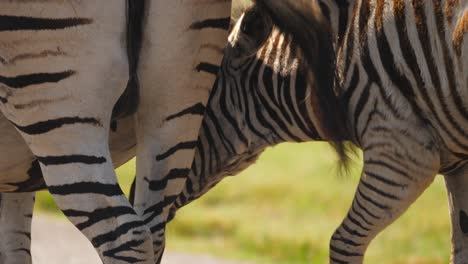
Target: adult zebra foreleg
69	72
15	226
397	169
457	182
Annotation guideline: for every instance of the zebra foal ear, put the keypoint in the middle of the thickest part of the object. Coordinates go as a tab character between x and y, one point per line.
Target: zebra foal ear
250	32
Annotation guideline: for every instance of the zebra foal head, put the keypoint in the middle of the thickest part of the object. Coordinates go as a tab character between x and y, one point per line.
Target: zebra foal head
275	84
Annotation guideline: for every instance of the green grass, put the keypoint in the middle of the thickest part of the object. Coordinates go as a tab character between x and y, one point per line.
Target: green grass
285	208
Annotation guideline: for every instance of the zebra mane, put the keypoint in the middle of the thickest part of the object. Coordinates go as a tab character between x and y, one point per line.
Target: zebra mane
304	22
128	101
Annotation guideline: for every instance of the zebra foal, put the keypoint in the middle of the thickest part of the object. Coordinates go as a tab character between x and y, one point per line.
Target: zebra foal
397	88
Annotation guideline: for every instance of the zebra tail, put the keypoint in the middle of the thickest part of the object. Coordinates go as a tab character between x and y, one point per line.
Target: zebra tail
310	30
128	101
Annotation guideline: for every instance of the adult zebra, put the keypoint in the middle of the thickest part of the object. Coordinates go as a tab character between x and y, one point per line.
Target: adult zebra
402	81
191	47
64	66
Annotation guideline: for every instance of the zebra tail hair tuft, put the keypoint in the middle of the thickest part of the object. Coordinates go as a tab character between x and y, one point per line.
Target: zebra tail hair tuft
128	101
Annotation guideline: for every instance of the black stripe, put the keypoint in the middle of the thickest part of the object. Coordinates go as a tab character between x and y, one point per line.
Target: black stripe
212	156
68	159
227	114
358	203
355	80
202	167
180	146
370	200
10	23
221	23
344	252
437	80
389	167
158	227
23	81
452	168
86	187
127	246
357	223
370	118
376	79
344	240
172	175
207	67
245	88
302	93
197	109
115	234
351	231
409	56
289	103
343	17
379	192
397	158
449	65
385	180
399	79
157	243
220	129
99	215
258	107
273	116
46	126
158	208
355	211
34	182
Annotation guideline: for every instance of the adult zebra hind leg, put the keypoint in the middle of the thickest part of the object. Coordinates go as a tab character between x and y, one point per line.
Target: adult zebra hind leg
69	69
393	177
15	227
176	77
457	187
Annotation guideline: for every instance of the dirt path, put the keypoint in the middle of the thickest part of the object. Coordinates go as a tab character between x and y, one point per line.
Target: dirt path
58	242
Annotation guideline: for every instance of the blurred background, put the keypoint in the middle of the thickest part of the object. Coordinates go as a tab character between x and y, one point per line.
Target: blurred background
285	208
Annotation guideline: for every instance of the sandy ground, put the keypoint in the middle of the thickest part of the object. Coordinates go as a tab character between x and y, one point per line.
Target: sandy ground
58	242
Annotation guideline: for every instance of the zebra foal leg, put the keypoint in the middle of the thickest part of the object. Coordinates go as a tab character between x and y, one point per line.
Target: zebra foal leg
15	227
457	188
393	177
